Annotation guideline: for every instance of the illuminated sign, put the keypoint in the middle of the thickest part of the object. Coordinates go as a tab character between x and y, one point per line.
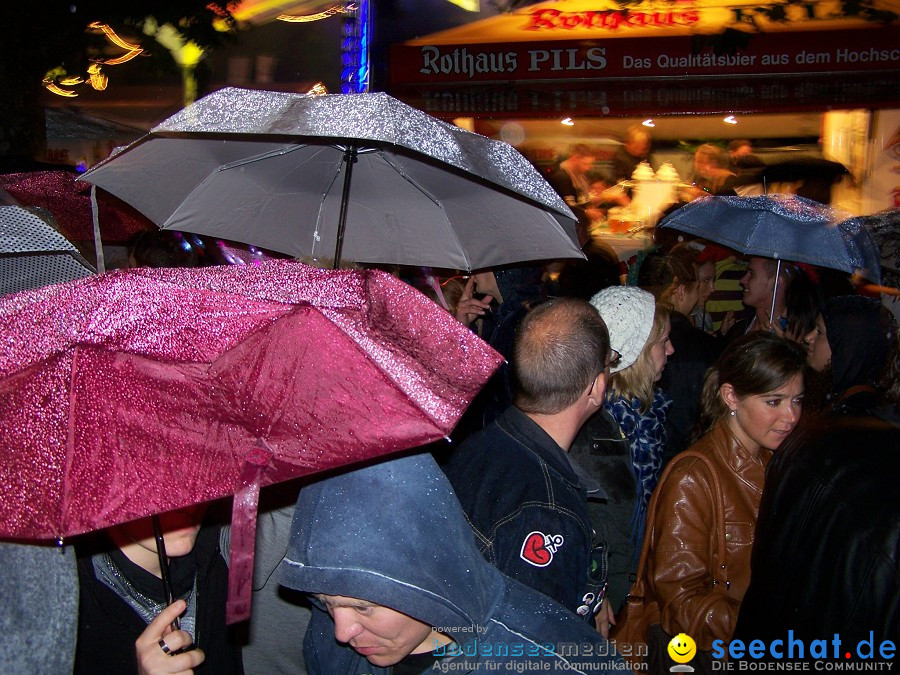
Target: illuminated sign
599	19
550	19
872	49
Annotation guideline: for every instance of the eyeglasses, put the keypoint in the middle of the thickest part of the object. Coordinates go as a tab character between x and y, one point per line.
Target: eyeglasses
614	358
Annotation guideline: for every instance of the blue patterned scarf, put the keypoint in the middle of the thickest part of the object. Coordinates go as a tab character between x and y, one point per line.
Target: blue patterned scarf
647	435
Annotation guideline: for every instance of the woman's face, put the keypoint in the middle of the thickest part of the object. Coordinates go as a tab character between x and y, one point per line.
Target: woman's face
765	420
661	350
706	276
818	351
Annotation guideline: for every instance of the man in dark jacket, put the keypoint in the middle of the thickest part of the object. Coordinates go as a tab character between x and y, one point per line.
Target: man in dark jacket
635	149
398	583
525	499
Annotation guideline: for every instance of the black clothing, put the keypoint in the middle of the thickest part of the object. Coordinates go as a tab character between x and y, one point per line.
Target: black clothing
624	164
682	379
825	557
108	627
573	194
605	453
860	332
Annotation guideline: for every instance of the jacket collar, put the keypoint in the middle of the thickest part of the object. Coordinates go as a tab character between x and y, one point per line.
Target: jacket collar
529	434
732	452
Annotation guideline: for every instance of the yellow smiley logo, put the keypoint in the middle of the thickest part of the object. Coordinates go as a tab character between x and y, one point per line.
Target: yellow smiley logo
682	648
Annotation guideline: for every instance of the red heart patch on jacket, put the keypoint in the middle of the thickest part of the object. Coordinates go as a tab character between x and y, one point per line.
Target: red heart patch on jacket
538	549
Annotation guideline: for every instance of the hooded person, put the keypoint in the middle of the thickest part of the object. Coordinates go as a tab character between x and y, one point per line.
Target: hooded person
850	348
397	580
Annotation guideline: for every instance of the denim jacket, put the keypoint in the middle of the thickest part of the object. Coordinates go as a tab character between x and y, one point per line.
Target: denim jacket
527	504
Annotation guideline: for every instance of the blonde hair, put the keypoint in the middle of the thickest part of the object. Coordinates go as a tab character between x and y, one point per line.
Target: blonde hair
638	380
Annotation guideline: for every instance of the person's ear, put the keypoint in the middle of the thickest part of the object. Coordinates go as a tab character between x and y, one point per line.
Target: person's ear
598	390
729	396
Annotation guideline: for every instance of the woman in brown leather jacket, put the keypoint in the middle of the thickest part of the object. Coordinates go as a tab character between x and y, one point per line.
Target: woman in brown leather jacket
701	532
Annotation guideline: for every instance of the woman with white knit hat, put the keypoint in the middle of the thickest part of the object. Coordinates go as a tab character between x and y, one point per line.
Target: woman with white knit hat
622	446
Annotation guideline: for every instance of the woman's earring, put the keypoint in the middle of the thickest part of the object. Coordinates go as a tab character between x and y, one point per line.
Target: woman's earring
733	413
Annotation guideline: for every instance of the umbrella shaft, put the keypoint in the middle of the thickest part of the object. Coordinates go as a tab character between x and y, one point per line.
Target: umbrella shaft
349	161
164	567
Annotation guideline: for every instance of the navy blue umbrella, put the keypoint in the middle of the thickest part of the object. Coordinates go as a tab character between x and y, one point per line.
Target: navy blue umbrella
783	227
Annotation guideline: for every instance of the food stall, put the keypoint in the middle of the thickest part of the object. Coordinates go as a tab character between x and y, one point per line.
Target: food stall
799	69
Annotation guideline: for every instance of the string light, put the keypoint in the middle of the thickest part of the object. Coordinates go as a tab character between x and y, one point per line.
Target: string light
99	81
112	37
51	87
304	18
122	59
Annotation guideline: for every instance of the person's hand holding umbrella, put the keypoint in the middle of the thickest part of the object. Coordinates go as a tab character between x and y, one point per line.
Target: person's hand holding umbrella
159	648
470	307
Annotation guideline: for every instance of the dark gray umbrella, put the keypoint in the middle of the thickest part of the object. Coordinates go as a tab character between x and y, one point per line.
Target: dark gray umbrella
363	177
33	254
784	227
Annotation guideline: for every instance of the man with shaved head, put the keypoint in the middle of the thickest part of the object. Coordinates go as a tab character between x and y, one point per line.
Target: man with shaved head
524	497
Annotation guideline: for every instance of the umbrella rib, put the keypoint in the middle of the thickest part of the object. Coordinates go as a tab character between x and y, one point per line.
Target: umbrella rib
435	201
356	345
287	149
265	155
316	237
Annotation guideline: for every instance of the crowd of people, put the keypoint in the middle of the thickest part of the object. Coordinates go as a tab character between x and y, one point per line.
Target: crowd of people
673	446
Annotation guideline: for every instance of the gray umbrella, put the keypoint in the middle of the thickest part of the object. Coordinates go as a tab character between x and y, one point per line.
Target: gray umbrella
33	254
274	170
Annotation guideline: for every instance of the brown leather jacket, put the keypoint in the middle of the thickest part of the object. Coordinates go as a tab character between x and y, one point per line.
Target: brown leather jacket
684	537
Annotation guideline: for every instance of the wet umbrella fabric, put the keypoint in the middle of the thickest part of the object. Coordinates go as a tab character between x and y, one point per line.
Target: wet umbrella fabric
33	254
141	391
69	201
274	170
784	227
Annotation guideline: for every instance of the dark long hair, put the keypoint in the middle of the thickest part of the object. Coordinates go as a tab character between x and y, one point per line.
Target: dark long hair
753	364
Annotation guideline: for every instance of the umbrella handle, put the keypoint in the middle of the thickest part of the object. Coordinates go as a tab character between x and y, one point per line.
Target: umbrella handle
164	567
349	160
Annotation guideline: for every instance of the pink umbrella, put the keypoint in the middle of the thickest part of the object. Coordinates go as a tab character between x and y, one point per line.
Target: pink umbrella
141	391
70	203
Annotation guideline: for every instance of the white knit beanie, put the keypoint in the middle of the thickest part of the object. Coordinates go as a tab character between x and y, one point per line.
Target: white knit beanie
628	314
